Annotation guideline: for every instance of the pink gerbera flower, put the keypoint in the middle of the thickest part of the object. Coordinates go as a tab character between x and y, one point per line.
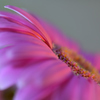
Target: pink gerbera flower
42	63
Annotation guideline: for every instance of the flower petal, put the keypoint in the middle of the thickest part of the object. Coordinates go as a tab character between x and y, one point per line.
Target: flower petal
57	36
33	93
32	20
47	72
6	25
21	48
20	51
9	76
77	88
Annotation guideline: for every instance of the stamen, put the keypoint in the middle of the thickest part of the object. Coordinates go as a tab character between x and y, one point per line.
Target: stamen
78	64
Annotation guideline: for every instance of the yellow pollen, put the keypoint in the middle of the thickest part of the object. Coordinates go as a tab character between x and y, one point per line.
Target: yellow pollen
78	64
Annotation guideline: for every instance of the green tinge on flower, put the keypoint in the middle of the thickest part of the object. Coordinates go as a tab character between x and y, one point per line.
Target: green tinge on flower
78	64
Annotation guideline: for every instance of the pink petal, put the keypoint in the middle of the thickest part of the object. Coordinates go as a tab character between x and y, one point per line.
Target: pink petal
77	88
22	47
46	72
32	20
16	19
20	51
57	36
97	92
33	93
8	76
14	27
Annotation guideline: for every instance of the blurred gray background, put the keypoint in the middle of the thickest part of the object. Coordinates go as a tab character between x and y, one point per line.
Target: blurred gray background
79	19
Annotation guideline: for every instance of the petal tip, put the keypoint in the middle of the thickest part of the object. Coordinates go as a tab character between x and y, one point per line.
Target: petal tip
9	7
6	6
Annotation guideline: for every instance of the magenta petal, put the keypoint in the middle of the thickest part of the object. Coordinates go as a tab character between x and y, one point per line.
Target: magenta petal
76	88
89	87
97	90
22	48
32	20
70	88
24	25
84	89
9	76
16	19
46	72
57	36
33	93
14	27
55	73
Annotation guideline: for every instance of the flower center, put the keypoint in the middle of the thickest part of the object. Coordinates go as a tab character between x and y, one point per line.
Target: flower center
78	64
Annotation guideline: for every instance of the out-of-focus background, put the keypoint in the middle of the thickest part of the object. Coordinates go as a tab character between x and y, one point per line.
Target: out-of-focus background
79	19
